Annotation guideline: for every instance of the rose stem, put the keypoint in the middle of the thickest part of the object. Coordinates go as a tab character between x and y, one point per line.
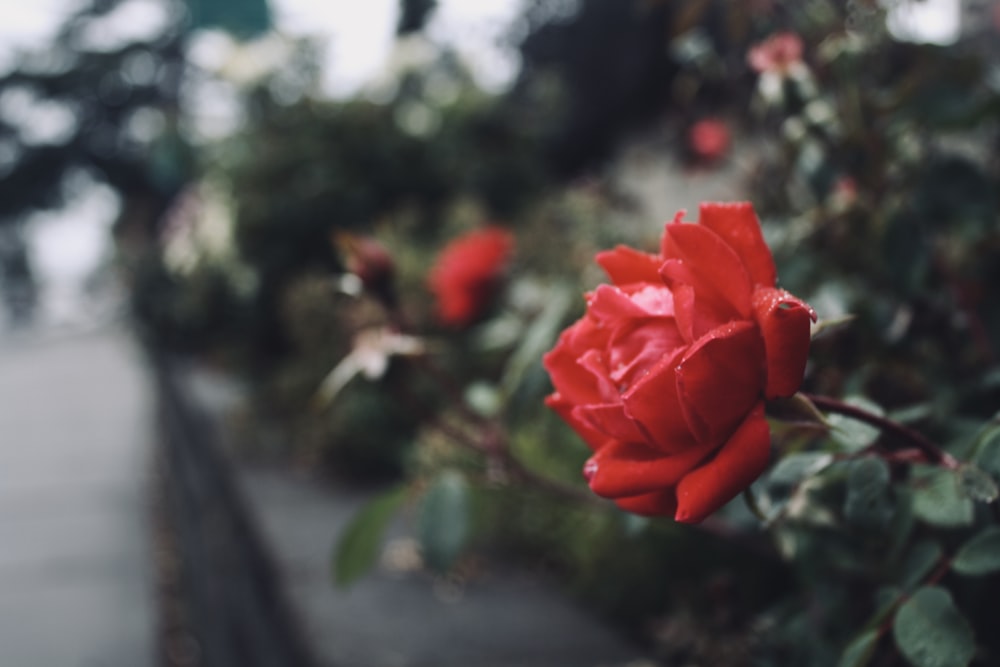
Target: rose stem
934	453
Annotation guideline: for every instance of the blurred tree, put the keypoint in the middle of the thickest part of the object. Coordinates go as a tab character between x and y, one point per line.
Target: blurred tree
95	101
413	15
242	18
303	170
92	101
616	66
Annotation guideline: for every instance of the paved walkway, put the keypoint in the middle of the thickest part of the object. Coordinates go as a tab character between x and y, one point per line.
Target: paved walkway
398	616
502	618
75	571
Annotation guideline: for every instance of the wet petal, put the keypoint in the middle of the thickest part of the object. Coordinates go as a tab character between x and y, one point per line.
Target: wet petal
739	227
574	382
664	241
626	265
637	345
610	419
714	266
594	439
655	300
610	304
654	403
631	468
707	310
661	503
784	324
684	313
720	378
740	461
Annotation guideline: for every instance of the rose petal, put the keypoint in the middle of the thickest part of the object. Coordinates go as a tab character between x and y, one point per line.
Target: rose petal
784	324
610	419
664	242
714	265
696	312
684	312
609	303
626	265
594	439
574	382
740	461
720	378
653	402
636	345
595	362
655	300
630	468
739	227
661	503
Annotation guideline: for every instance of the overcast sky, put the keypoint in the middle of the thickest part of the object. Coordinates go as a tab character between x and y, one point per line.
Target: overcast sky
359	35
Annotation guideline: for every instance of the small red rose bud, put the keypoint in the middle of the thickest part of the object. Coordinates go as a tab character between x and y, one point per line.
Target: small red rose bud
371	263
709	140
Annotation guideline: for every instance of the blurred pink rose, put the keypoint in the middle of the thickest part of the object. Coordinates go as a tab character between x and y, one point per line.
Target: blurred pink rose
778	53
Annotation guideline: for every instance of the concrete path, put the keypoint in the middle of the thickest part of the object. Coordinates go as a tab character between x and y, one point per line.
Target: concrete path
75	565
399	615
401	618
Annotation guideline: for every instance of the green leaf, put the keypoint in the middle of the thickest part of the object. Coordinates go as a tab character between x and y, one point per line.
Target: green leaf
443	522
886	599
634	525
824	326
919	562
906	250
852	434
987	449
868	504
931	632
977	484
358	545
859	651
538	337
980	555
794	468
937	498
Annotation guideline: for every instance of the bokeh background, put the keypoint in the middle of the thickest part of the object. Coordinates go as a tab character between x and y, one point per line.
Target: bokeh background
185	190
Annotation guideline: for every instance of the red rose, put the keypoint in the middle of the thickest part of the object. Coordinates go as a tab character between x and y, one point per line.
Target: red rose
666	375
467	273
709	139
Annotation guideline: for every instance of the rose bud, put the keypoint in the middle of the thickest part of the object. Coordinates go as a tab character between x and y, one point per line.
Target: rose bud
467	274
709	140
371	263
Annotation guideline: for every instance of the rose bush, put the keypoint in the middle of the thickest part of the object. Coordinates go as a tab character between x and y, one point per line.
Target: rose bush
467	273
666	374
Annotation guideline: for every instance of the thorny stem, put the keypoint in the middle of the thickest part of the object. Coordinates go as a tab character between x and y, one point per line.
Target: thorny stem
932	452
